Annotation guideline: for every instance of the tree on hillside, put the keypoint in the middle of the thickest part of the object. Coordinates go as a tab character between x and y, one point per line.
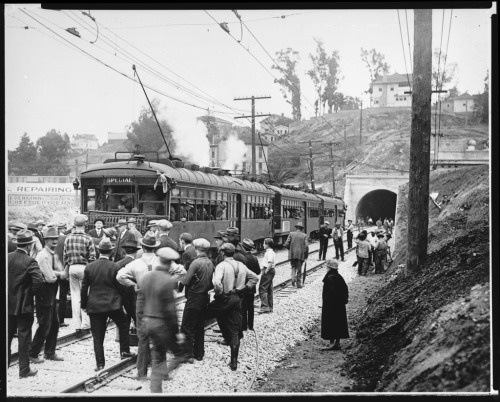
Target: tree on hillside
452	93
319	72
53	148
442	73
145	132
481	102
21	161
212	127
290	82
282	169
376	64
332	80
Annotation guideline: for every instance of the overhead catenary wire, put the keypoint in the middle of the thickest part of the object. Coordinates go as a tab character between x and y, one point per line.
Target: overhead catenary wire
404	52
408	34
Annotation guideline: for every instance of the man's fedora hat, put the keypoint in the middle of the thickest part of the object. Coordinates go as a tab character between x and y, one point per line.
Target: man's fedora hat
23	238
221	235
105	244
149	240
299	225
132	220
52	233
248	244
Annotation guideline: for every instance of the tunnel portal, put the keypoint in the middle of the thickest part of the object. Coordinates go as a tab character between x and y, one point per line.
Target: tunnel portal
377	204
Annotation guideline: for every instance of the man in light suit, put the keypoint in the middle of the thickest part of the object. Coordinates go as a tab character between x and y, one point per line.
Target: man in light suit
298	251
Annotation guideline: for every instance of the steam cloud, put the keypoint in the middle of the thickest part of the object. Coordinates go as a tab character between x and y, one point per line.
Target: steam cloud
191	141
233	149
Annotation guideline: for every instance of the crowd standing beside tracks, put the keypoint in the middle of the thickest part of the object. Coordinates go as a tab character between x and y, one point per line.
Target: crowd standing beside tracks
119	275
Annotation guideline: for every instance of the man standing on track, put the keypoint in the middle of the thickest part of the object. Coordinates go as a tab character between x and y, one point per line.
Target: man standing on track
350	233
298	251
231	279
247	307
78	251
338	241
25	280
324	234
198	282
46	307
104	301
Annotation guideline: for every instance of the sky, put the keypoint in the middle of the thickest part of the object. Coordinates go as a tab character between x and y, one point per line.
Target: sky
86	85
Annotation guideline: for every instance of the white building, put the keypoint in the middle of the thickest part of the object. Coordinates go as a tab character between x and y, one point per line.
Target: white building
84	142
463	103
389	91
117	137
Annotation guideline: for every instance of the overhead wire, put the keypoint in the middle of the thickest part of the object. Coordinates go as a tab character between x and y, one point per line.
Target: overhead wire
404	53
436	134
408	34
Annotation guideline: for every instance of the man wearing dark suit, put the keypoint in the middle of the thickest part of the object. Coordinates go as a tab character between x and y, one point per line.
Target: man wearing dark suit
63	282
25	280
97	232
104	301
324	234
164	227
122	236
189	254
128	292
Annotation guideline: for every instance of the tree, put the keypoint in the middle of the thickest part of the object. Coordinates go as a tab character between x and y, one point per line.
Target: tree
53	148
287	62
145	132
332	80
376	64
442	73
213	131
22	160
319	72
453	93
481	102
282	169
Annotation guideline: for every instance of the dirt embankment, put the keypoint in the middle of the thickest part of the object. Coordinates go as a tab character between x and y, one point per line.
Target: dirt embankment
430	331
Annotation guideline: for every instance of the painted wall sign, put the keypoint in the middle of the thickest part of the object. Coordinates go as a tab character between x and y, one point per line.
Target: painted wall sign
56	194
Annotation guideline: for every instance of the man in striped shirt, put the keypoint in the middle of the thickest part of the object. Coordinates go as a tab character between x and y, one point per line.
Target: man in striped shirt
79	250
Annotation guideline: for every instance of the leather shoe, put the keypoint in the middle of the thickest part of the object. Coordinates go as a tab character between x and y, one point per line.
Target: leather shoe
98	368
31	373
191	360
126	355
63	324
334	347
223	343
54	357
36	360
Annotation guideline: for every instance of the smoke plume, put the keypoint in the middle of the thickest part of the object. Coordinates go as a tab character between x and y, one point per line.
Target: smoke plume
232	152
191	142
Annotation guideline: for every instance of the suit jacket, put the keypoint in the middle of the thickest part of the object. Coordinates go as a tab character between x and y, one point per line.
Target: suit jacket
25	280
94	234
104	294
188	256
297	246
166	241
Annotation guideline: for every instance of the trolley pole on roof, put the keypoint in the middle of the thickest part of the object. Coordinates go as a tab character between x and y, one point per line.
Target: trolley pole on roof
253	116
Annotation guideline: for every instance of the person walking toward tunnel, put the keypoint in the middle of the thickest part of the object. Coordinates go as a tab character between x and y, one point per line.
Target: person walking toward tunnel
333	312
298	251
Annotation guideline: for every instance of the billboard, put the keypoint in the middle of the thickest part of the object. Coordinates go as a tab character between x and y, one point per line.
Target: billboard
54	194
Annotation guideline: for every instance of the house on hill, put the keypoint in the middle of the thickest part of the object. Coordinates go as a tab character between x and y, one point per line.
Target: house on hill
117	138
389	91
460	104
276	124
217	128
83	142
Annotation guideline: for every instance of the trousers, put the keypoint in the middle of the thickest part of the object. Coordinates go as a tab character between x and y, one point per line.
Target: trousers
349	239
193	324
63	298
46	333
339	248
80	318
143	350
98	329
23	324
296	270
323	246
227	310
266	290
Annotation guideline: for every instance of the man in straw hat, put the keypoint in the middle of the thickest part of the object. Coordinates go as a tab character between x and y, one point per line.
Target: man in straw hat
104	301
298	251
25	279
231	280
198	282
333	312
160	317
79	250
46	307
130	275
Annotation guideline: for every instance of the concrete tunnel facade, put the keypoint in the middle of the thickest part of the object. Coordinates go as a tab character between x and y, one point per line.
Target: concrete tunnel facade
376	204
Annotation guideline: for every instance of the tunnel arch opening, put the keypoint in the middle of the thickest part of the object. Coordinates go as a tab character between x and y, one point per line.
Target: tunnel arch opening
377	204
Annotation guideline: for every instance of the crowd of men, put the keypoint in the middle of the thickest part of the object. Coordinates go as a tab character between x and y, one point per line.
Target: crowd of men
121	275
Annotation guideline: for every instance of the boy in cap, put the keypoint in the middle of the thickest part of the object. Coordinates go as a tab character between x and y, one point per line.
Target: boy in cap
104	301
333	312
46	308
25	279
79	250
198	282
298	251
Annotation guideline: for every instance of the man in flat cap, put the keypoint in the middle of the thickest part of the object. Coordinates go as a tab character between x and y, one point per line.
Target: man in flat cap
160	317
79	250
198	282
130	275
298	251
231	280
233	237
164	227
46	307
25	280
333	312
104	301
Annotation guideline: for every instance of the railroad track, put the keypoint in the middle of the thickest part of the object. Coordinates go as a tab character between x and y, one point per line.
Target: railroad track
122	368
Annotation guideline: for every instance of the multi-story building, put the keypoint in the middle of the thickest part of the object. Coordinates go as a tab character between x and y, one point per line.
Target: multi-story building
389	91
84	142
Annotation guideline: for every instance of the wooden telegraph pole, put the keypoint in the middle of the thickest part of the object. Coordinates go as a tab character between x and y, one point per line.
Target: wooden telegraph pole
331	144
418	197
254	173
313	187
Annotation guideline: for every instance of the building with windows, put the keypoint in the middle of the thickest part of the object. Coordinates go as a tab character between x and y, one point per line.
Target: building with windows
460	104
117	137
83	142
389	91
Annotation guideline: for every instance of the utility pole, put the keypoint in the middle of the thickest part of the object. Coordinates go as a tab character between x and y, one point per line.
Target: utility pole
252	98
418	196
312	163
345	144
331	144
361	122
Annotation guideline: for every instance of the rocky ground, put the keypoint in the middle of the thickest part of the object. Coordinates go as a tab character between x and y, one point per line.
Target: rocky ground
428	332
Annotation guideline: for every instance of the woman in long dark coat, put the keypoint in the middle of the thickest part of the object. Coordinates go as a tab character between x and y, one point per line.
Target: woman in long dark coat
333	313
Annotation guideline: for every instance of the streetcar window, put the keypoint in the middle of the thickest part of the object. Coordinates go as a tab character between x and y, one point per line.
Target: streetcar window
92	199
183	192
119	199
174	209
151	202
213	195
224	196
191	192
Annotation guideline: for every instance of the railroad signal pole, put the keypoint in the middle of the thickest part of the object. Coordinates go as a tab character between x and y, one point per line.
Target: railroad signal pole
418	196
253	116
311	163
